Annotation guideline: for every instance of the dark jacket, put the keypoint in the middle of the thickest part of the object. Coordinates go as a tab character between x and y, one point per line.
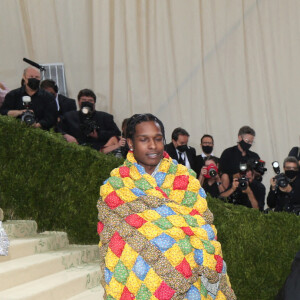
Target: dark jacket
72	124
42	103
190	153
65	104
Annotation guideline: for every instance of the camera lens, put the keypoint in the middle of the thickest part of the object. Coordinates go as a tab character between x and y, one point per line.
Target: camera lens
212	173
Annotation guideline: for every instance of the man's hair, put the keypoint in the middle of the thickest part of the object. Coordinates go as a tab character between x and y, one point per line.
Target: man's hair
246	130
49	83
86	93
179	131
124	126
140	118
291	159
207	135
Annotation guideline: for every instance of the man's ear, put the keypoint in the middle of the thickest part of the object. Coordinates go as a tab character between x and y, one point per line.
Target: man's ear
240	138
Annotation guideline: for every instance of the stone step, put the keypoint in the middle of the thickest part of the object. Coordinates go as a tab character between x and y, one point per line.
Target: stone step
58	286
25	269
20	228
46	241
96	293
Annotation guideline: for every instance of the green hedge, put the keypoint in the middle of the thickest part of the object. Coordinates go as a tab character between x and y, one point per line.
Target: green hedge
258	248
46	179
57	184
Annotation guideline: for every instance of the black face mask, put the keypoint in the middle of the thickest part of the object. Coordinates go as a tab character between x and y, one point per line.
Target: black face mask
89	105
207	149
291	174
33	83
182	148
245	146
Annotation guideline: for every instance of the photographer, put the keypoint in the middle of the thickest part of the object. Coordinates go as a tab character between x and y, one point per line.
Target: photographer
232	157
209	177
41	105
87	126
284	194
245	190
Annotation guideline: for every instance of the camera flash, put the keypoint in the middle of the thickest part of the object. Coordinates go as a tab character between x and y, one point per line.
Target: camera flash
26	99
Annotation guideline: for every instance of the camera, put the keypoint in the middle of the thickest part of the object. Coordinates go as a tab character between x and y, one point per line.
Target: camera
28	116
212	171
87	124
243	181
281	180
258	165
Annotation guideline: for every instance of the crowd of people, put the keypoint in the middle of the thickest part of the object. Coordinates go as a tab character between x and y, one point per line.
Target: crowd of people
235	177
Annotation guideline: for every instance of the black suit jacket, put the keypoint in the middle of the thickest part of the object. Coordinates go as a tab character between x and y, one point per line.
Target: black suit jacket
65	104
42	103
107	128
190	153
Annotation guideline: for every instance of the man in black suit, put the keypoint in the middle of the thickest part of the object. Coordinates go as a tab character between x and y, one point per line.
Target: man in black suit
63	103
87	126
179	150
30	98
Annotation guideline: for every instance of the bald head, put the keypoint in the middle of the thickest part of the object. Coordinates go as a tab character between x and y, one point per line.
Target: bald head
31	72
31	77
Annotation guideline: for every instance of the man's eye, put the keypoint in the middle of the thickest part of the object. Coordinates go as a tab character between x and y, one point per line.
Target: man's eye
159	139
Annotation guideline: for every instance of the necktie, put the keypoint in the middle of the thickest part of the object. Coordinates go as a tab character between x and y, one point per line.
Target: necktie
181	158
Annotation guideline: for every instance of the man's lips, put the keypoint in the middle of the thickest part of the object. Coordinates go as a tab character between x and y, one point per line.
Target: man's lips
153	155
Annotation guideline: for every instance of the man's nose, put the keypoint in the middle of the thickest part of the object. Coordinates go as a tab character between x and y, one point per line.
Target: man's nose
152	144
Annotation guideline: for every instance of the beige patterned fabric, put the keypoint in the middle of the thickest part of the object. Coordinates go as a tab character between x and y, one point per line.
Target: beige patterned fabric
212	65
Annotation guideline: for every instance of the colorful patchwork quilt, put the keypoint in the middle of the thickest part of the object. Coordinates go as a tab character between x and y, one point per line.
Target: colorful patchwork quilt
157	238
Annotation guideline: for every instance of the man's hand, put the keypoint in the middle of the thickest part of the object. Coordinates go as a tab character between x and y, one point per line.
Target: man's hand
122	142
247	190
36	125
286	189
273	183
94	134
235	184
70	138
15	113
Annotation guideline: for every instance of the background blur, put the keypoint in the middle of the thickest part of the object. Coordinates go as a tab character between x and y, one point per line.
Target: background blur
208	66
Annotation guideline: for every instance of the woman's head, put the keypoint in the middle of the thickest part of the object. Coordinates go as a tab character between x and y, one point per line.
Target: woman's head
145	137
211	160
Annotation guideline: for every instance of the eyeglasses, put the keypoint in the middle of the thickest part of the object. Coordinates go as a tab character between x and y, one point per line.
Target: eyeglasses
207	143
291	168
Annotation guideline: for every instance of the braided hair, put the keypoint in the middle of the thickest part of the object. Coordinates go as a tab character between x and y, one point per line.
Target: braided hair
140	118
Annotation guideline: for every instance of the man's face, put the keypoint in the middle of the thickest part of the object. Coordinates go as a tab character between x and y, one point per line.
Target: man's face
31	73
248	138
51	91
86	99
147	145
207	141
182	140
207	145
290	166
249	175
